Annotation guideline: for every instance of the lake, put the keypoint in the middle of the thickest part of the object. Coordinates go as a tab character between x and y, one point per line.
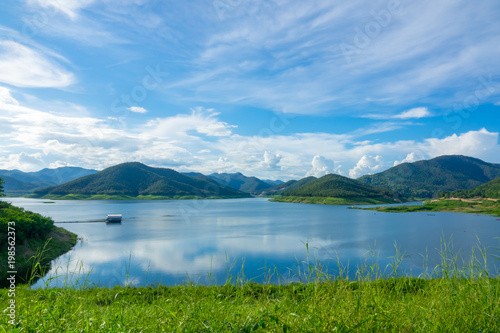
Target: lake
207	241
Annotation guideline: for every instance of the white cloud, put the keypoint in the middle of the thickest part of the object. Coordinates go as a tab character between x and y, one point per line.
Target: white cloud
367	164
320	166
426	51
68	7
22	66
6	97
271	161
137	109
199	141
481	144
26	161
420	112
415	113
410	158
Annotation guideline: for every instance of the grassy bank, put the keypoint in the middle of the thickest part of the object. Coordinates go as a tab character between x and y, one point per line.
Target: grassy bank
30	232
390	305
332	201
471	206
129	197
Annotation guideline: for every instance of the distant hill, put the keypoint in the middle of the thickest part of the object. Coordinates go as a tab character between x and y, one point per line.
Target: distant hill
289	185
273	182
241	182
426	179
337	186
489	190
20	183
134	179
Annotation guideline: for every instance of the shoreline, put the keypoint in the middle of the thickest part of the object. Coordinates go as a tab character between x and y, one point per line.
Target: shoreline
332	200
483	206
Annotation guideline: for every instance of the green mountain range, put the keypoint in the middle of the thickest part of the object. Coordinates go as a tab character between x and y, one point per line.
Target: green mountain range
489	190
289	185
339	187
241	182
20	183
136	179
429	178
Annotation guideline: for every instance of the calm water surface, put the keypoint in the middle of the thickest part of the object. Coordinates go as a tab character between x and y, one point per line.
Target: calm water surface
205	241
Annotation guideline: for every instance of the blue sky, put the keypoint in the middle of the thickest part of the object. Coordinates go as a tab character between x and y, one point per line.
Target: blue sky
276	89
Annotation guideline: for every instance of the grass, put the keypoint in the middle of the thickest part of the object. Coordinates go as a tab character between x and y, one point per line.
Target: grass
57	242
478	206
332	201
451	298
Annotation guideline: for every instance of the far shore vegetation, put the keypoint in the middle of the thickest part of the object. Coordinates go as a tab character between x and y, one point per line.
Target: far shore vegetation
332	200
457	205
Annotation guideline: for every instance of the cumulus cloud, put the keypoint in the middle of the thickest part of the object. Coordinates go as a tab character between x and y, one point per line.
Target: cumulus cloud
199	141
411	157
26	161
271	161
367	164
320	166
481	144
23	66
137	109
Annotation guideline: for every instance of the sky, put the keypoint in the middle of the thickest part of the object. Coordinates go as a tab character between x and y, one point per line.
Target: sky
277	89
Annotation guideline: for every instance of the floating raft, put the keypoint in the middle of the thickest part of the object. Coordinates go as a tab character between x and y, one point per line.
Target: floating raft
114	218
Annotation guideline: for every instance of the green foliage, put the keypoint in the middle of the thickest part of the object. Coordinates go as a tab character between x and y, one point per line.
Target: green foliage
28	225
289	185
488	190
136	179
241	182
333	201
32	233
426	179
474	207
1	187
337	186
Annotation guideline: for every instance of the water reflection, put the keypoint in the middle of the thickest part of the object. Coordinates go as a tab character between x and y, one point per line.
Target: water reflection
209	240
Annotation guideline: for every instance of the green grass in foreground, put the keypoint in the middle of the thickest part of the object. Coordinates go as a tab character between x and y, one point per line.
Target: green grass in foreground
451	299
391	305
129	197
332	201
479	206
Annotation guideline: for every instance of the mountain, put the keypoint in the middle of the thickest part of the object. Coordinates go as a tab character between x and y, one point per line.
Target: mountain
241	182
289	185
133	179
426	179
489	190
273	182
337	186
19	183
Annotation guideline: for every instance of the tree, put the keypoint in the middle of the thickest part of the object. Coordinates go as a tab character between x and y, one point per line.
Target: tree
1	187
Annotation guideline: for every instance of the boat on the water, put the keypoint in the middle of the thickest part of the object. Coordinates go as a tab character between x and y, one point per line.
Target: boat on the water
114	218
